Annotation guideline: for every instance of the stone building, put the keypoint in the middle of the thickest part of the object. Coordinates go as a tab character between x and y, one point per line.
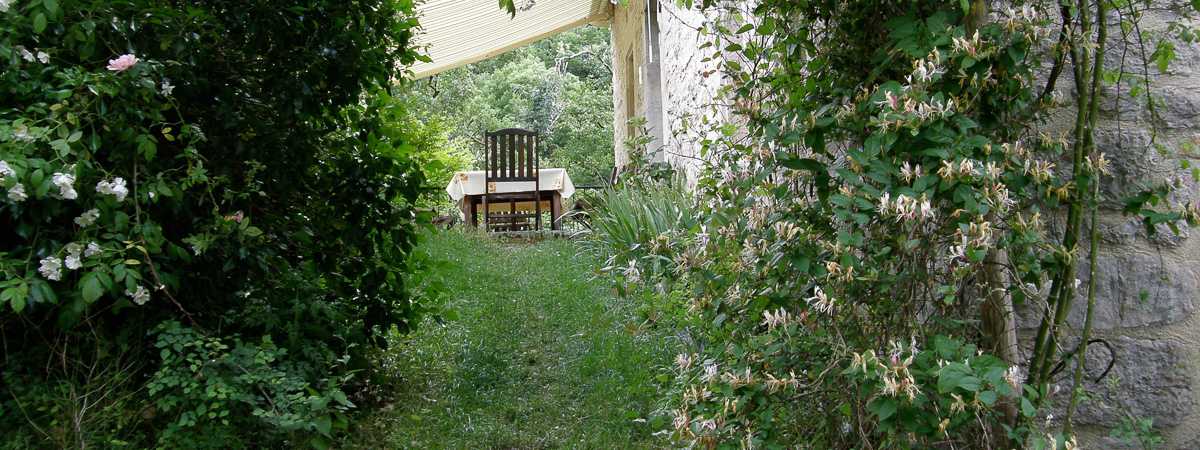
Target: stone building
1148	285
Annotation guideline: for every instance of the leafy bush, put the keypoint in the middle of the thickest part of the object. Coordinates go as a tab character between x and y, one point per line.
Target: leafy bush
220	172
639	228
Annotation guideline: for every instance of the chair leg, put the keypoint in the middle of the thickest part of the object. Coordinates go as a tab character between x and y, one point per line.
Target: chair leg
487	213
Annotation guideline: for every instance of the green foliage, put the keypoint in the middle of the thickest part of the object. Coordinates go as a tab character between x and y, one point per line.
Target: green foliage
560	87
539	355
237	177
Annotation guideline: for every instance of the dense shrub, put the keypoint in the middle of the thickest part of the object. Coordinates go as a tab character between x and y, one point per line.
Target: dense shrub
201	199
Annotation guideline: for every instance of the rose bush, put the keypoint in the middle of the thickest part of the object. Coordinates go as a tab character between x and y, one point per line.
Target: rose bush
208	179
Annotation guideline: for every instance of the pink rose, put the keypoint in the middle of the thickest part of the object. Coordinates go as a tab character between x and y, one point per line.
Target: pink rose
122	63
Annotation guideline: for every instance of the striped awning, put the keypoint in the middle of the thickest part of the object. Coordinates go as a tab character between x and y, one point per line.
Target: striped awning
459	32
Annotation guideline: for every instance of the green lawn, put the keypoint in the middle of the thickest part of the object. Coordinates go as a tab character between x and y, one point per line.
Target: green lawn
541	355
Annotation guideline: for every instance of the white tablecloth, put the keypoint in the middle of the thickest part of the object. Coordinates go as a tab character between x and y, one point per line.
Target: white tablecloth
472	183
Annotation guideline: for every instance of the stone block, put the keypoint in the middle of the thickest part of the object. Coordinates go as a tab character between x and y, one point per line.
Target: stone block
1132	290
1149	379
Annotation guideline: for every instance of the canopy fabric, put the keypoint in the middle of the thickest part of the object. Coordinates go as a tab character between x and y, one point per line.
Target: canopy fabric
459	32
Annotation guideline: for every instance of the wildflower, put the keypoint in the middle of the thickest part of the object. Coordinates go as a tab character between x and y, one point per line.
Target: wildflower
683	360
65	183
87	218
885	203
1012	376
139	296
776	319
4	5
74	258
122	63
51	268
958	405
821	302
6	171
167	87
926	208
92	249
947	170
17	193
116	188
710	371
42	57
909	172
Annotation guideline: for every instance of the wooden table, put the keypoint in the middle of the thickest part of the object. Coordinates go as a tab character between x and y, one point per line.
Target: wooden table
467	189
512	202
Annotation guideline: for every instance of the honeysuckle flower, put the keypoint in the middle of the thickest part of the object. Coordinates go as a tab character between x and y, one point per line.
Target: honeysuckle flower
115	188
6	171
885	203
122	63
17	193
683	360
908	173
139	296
92	249
43	57
167	87
51	268
821	302
87	218
66	185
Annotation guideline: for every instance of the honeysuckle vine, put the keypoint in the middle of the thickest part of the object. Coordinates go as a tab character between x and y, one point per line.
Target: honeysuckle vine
890	191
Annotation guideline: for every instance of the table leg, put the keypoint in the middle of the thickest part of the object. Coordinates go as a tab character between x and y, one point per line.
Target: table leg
556	211
473	216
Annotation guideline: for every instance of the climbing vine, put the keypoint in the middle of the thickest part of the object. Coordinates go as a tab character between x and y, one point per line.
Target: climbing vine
893	188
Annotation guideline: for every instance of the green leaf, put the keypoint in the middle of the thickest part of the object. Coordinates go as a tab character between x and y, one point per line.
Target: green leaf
91	288
51	7
883	407
39	23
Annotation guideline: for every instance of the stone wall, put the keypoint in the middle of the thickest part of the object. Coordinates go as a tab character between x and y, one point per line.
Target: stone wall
1147	286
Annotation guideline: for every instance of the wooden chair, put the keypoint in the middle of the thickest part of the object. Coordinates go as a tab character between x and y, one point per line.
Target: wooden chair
511	156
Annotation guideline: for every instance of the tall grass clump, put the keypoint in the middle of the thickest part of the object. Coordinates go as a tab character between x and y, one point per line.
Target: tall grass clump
638	227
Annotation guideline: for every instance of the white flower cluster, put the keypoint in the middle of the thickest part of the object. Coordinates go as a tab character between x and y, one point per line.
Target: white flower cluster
977	235
66	185
777	318
4	5
139	296
925	70
29	56
21	134
51	266
909	173
905	208
87	218
17	192
821	302
969	46
115	188
950	169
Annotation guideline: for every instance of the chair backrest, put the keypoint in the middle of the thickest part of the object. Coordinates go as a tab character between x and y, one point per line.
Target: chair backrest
511	155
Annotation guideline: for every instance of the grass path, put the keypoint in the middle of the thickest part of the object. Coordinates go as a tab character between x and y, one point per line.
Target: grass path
541	356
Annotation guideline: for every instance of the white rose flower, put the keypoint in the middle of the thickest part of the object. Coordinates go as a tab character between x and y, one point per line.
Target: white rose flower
115	188
25	54
65	183
139	296
92	249
74	260
87	218
17	193
51	268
